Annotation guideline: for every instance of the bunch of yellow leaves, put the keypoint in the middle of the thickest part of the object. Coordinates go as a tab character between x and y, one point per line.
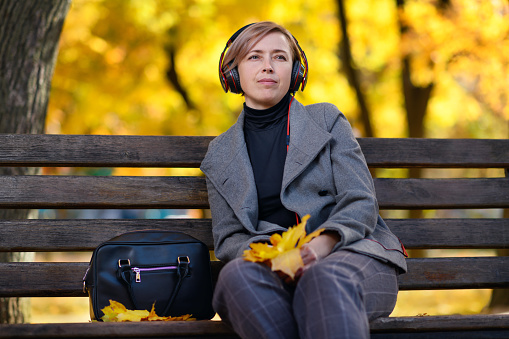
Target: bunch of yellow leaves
283	252
116	311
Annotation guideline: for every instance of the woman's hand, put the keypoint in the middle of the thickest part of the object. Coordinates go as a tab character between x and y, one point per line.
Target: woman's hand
317	249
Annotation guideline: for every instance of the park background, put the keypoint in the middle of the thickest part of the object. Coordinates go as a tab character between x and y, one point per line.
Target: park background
396	68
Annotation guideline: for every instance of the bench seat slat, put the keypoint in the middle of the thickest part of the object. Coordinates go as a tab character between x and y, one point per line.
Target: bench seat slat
441	323
46	150
64	279
60	235
209	329
191	192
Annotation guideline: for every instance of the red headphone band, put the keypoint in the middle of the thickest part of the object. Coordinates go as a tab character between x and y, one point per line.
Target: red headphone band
303	62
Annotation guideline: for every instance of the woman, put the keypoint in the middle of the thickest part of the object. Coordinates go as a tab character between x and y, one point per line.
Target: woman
280	161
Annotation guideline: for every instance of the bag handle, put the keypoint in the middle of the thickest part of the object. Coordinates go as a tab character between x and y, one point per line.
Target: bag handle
124	273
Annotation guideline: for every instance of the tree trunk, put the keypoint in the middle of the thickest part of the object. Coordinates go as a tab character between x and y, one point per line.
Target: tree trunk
416	105
29	34
352	72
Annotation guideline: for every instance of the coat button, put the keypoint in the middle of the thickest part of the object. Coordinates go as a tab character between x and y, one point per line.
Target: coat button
323	193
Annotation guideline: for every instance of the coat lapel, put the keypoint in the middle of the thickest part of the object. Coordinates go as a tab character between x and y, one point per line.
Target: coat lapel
307	139
229	169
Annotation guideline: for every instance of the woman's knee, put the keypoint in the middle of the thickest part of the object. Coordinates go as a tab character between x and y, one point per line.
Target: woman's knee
239	271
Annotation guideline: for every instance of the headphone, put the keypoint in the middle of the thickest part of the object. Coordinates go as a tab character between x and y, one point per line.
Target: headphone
230	80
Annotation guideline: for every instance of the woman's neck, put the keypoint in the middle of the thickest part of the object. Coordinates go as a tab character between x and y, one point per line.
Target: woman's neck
264	118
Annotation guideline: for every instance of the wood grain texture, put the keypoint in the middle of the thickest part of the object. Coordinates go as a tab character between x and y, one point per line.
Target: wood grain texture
60	235
48	235
102	192
191	192
448	233
442	193
468	324
44	150
65	279
435	153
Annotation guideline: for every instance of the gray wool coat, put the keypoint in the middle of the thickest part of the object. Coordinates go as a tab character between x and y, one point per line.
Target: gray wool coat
325	176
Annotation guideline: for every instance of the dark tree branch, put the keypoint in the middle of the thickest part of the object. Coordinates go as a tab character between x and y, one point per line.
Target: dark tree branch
352	72
173	77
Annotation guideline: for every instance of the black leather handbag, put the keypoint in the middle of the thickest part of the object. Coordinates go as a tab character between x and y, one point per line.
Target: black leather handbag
139	268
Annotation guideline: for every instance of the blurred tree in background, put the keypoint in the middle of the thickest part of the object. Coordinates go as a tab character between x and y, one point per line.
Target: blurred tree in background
435	68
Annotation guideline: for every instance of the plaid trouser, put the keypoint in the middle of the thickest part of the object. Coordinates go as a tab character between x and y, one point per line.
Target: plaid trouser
334	298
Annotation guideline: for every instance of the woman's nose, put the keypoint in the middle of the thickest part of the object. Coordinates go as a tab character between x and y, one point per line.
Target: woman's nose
267	67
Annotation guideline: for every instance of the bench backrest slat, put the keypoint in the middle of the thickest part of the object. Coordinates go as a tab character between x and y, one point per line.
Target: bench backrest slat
85	234
41	279
46	150
191	192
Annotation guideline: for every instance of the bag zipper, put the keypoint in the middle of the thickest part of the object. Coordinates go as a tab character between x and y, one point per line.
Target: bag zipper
138	270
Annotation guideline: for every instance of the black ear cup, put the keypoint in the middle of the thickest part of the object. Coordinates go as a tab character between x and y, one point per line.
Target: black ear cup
298	72
233	81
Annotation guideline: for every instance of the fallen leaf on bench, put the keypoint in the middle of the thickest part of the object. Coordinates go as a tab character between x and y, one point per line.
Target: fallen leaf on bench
116	311
283	252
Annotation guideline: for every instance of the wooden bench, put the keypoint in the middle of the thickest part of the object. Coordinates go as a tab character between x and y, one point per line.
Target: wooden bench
36	279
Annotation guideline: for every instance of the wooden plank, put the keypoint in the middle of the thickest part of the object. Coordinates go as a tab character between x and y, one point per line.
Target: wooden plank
62	235
46	150
191	192
446	153
154	329
188	151
42	279
102	192
442	193
58	235
207	329
451	233
456	273
457	334
65	279
440	323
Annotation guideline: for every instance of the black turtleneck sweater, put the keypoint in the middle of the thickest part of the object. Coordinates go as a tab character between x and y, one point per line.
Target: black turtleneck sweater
265	134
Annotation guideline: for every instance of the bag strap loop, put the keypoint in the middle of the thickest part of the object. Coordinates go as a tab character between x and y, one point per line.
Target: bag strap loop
182	271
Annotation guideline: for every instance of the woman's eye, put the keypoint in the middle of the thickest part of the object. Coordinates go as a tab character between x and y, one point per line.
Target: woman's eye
253	57
281	57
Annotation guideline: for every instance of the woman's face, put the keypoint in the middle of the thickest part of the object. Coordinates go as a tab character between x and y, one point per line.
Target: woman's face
266	71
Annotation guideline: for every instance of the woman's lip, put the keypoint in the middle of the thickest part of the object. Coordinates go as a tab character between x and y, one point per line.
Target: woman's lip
267	81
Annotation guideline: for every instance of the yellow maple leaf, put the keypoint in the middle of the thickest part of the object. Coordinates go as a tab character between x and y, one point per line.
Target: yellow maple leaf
283	252
288	262
115	311
132	315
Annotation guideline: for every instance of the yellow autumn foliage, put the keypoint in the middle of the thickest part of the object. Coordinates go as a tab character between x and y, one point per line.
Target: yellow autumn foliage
283	252
116	311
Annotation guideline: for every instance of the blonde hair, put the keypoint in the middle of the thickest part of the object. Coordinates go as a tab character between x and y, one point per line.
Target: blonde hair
250	37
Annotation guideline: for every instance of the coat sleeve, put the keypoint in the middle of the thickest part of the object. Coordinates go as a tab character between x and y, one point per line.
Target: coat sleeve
355	213
230	236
